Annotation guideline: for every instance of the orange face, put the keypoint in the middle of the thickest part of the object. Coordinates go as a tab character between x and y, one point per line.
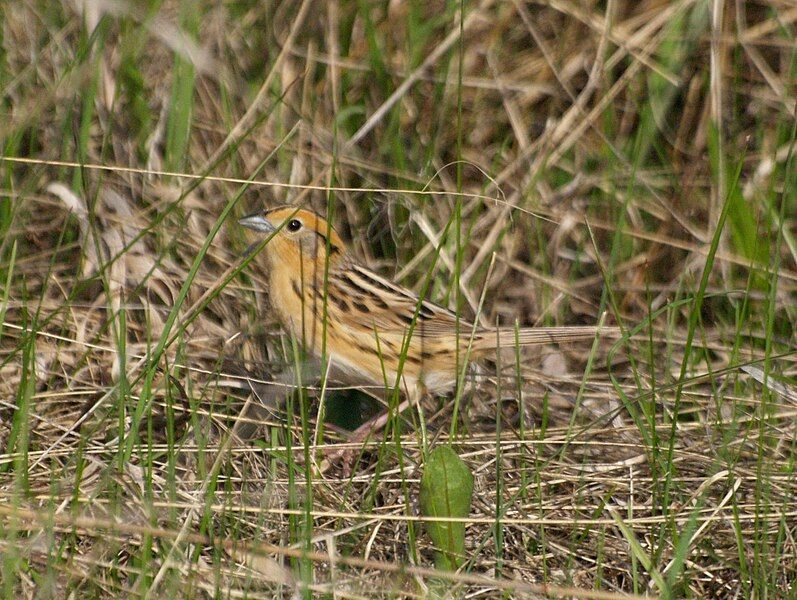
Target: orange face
297	235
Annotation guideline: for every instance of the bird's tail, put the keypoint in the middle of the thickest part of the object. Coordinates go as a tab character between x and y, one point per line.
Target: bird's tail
507	337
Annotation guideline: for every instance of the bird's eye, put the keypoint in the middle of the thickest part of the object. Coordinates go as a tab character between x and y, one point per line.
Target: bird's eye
294	225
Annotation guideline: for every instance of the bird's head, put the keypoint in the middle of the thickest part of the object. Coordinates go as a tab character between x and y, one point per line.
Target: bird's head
297	236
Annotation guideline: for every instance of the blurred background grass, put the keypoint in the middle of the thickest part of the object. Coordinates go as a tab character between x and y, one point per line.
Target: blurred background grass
568	160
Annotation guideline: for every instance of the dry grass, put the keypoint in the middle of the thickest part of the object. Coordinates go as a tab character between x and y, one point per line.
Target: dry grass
584	154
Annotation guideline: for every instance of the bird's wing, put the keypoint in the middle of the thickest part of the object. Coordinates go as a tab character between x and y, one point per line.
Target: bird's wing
377	303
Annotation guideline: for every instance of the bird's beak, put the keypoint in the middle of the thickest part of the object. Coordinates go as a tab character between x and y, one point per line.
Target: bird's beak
257	222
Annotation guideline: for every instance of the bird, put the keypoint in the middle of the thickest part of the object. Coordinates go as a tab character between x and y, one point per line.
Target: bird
366	326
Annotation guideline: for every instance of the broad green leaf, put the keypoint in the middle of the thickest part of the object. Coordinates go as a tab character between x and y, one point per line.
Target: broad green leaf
446	491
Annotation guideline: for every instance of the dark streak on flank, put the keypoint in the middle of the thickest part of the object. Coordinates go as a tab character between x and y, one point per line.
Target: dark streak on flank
295	288
318	302
362	307
341	303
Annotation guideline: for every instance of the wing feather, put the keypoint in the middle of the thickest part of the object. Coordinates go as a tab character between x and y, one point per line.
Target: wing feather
391	308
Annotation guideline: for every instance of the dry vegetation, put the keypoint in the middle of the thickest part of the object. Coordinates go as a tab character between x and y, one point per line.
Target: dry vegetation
570	159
